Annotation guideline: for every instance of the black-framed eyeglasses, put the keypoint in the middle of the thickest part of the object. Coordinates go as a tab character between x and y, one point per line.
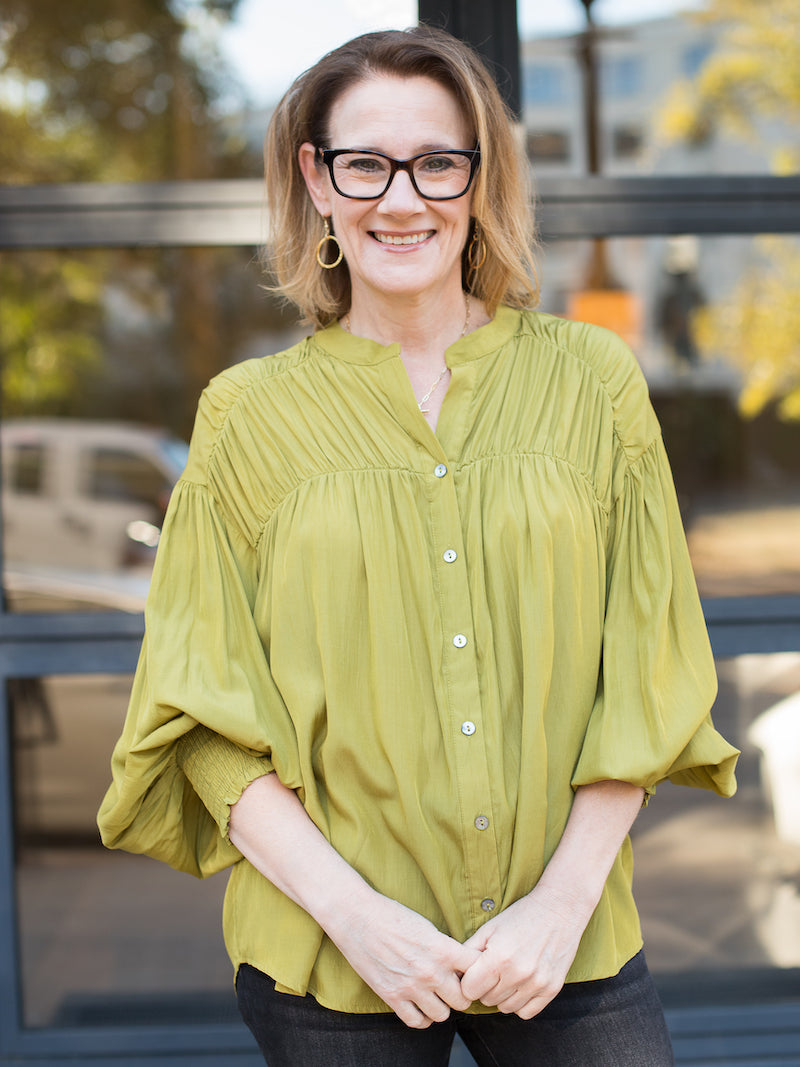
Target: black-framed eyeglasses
365	175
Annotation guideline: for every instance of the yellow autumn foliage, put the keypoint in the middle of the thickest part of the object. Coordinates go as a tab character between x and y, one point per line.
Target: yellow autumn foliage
757	329
750	79
753	74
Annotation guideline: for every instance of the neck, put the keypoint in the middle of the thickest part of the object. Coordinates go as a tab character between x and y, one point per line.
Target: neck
423	327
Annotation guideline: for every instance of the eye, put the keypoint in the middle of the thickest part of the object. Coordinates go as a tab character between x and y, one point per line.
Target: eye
437	164
366	165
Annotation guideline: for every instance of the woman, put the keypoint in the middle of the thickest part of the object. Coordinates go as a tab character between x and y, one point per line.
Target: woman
422	633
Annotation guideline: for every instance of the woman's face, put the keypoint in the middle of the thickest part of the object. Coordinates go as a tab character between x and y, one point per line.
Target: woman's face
400	245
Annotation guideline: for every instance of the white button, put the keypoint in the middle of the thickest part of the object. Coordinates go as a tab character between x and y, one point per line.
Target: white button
459	640
450	556
481	823
468	728
440	470
487	904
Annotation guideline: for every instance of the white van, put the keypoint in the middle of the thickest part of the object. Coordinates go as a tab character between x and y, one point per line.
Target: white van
85	496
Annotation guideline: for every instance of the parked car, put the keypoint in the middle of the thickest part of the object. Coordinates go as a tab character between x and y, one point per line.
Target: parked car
83	496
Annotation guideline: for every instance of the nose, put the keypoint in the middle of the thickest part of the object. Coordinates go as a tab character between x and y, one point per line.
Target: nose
401	198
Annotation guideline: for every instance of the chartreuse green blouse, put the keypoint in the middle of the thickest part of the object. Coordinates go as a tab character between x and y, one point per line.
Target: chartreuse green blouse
433	638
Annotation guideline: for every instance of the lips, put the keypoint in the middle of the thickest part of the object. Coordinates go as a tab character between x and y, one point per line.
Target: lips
402	239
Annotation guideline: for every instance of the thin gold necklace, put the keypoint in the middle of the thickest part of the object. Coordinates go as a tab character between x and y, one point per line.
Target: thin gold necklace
445	368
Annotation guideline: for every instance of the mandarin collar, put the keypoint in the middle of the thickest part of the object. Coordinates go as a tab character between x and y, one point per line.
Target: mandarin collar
337	342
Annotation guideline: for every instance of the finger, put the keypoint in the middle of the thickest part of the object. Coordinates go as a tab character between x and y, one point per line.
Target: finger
463	957
486	988
479	979
411	1015
433	1007
513	1002
478	941
536	1002
509	996
451	993
532	1008
495	996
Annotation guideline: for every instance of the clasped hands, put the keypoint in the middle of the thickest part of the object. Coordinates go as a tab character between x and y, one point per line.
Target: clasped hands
517	961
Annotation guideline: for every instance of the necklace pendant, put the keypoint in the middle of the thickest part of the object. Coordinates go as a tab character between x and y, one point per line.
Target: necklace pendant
425	411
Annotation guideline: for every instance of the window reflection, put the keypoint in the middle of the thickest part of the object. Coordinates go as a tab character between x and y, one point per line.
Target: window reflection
621	76
718	883
106	938
546	83
90	457
723	398
550	145
26	464
99	402
124	476
78	492
707	94
128	92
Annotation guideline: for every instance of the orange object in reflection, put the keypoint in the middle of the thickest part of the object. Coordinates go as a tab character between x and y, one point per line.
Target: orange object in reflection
615	309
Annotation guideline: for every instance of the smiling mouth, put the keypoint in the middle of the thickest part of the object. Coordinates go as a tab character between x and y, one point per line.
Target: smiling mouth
405	239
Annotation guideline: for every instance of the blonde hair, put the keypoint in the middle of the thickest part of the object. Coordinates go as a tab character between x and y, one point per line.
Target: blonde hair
501	204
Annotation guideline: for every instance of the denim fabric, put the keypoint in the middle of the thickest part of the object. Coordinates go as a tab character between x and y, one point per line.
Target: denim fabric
614	1022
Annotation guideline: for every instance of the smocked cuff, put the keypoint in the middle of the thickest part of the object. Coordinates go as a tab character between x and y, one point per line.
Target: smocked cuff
218	770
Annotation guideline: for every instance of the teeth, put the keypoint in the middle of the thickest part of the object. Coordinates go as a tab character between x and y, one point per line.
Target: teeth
407	239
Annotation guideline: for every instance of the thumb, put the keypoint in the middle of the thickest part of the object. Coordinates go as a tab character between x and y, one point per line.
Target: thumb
464	957
479	940
479	979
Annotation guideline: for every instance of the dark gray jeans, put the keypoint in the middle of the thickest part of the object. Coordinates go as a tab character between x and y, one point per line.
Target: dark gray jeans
614	1022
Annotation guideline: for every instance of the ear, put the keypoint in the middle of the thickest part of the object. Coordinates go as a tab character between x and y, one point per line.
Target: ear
316	178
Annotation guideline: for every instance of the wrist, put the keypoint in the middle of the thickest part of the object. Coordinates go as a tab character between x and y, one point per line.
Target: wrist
345	901
570	893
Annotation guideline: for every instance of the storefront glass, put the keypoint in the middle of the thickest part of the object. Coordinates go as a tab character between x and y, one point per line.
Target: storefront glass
698	87
109	939
106	938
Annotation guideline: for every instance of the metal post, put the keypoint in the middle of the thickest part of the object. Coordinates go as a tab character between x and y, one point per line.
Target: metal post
491	29
588	57
598	275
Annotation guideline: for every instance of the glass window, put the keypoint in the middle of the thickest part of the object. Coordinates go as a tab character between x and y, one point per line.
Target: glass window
627	142
108	938
544	84
27	466
713	324
710	96
100	427
548	146
718	881
125	477
695	56
105	938
158	91
621	76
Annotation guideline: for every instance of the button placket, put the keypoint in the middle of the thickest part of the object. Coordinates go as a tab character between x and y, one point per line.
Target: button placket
480	849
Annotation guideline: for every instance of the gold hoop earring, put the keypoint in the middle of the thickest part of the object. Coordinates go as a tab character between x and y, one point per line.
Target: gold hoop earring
328	236
476	251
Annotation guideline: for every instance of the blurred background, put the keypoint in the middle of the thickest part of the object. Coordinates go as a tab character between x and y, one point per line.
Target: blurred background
105	351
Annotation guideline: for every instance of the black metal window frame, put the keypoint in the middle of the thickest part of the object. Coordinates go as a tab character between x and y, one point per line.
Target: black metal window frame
232	213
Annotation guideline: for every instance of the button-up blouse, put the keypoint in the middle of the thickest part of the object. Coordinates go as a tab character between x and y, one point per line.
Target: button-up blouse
434	638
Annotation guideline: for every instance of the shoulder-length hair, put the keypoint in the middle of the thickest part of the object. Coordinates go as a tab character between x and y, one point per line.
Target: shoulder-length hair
501	204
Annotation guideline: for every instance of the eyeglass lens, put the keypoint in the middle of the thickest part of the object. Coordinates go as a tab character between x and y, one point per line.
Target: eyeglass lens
436	174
